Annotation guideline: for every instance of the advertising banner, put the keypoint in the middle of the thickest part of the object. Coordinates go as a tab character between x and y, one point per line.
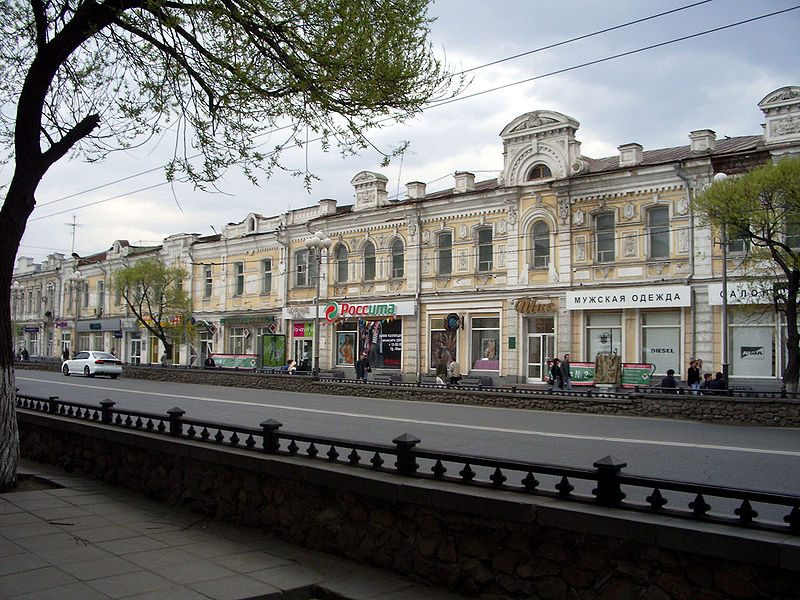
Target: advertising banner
636	374
273	350
581	373
236	361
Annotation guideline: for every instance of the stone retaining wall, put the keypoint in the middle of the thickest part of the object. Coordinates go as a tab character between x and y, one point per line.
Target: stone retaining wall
478	542
773	412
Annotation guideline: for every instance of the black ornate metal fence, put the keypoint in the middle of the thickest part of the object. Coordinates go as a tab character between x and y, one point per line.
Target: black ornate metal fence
604	485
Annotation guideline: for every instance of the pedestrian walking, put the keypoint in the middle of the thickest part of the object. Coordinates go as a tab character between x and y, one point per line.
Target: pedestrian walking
362	367
693	376
556	375
565	374
454	372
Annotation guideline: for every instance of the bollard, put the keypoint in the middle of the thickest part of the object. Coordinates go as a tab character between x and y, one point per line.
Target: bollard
406	465
105	410
175	425
608	492
270	432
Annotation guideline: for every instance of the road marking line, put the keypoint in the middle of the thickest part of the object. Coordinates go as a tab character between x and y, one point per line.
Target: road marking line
572	436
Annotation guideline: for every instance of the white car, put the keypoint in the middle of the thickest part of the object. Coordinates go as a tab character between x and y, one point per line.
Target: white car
92	363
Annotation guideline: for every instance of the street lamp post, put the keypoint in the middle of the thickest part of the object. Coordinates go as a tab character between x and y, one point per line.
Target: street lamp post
316	243
16	287
719	178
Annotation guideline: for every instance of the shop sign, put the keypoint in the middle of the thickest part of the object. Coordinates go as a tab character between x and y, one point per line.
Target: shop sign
236	361
536	305
666	296
303	330
581	373
117	334
61	324
95	326
129	324
636	374
31	330
165	319
345	310
262	320
740	293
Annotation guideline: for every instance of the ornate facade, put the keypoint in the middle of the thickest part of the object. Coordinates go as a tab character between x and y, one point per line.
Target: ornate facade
561	253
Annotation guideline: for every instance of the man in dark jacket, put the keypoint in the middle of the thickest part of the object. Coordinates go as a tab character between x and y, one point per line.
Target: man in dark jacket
556	375
718	384
670	382
362	367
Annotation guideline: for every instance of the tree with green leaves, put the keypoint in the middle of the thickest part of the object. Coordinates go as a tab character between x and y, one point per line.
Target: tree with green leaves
761	209
85	77
155	295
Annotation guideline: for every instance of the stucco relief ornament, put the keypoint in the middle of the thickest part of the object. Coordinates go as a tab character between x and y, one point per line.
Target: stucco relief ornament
426	237
578	217
502	227
512	217
629	211
629	246
580	250
462	231
412	230
563	210
683	240
682	206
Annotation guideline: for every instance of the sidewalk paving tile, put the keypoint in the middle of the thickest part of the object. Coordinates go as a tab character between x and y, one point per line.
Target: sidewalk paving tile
34	580
128	584
100	568
236	587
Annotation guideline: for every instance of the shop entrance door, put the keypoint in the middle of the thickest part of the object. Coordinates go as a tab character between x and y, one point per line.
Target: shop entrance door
136	352
541	348
303	354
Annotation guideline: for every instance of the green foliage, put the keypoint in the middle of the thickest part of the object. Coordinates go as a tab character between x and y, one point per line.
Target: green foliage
234	82
155	295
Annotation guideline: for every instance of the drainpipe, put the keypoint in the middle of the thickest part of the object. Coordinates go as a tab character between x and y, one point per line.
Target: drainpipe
279	232
417	299
692	309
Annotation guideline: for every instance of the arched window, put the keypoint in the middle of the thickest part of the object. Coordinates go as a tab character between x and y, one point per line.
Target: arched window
398	258
341	263
251	225
369	261
444	250
540	171
540	245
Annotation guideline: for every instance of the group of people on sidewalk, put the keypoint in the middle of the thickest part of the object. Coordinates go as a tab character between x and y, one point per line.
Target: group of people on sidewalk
559	374
697	381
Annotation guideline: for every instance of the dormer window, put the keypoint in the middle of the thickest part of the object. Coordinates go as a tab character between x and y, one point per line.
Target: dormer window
540	171
251	224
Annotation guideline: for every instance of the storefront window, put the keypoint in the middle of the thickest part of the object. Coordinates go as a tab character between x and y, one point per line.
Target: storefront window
237	340
346	344
443	345
486	343
752	342
661	335
603	333
383	343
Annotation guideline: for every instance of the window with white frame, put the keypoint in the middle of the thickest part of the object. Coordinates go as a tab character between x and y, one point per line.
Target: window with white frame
85	294
266	276
485	343
604	231
444	251
485	249
305	269
238	279
658	231
369	261
398	258
661	337
340	256
101	294
208	282
540	245
237	340
603	333
540	171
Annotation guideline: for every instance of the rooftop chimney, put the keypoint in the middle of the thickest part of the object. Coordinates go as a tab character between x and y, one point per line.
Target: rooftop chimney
465	182
415	190
630	154
703	141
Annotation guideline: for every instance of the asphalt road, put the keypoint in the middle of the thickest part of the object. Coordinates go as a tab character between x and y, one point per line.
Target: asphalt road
763	458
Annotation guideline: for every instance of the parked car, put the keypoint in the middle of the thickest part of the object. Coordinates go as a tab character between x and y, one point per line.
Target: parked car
92	363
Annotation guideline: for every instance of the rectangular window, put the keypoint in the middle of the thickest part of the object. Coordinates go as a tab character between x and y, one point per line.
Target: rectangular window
605	238
658	226
443	347
752	342
661	335
306	269
603	333
445	253
485	250
101	294
266	276
208	282
486	343
237	340
86	294
238	279
346	344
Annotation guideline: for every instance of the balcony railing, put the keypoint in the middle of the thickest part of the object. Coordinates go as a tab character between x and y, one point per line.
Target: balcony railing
605	484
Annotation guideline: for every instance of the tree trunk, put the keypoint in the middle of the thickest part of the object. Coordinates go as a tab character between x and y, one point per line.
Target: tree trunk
792	372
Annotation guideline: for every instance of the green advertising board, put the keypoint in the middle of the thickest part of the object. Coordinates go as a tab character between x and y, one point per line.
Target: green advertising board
581	373
635	374
236	361
273	351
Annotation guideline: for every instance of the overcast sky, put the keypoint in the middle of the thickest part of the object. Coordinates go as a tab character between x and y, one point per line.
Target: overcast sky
654	97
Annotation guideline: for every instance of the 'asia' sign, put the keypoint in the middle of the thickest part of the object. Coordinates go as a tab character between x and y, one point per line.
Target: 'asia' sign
639	297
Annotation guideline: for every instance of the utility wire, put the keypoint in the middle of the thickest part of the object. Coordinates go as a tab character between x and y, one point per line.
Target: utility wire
433	105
